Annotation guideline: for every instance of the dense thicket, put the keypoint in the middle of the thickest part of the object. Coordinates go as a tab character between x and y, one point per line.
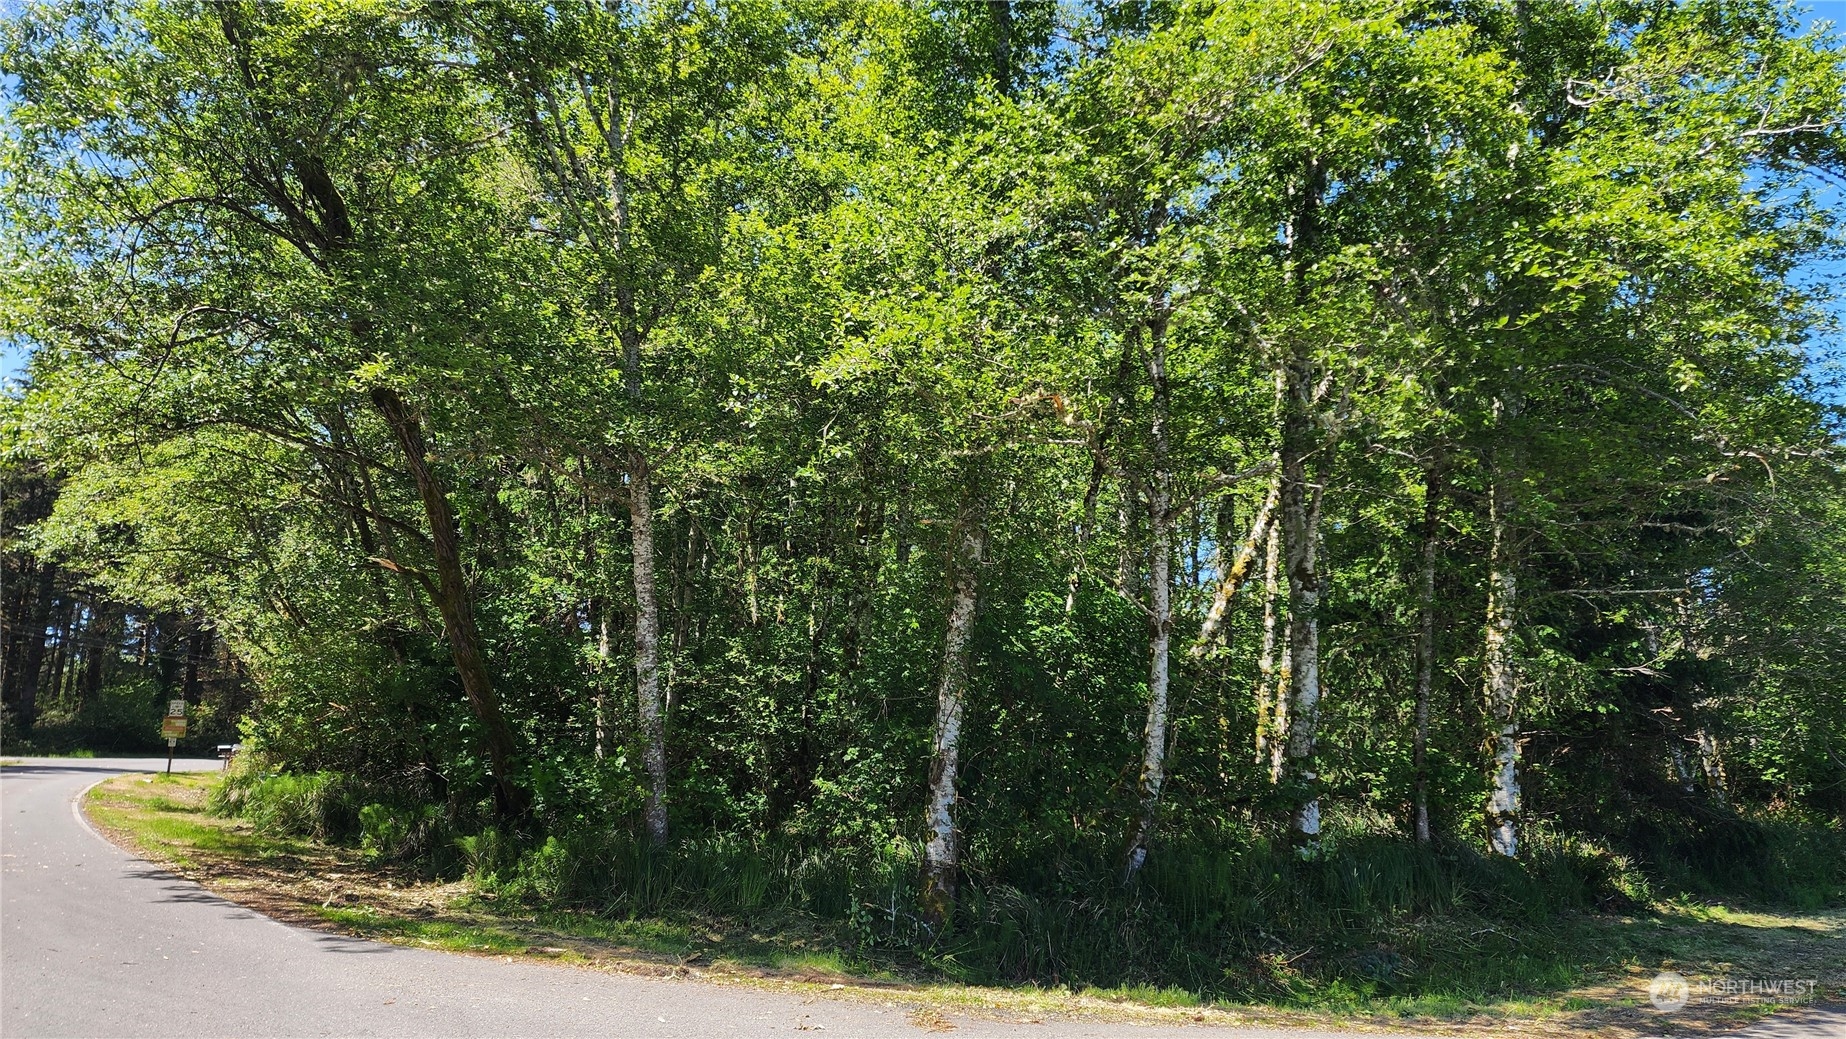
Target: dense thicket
1015	445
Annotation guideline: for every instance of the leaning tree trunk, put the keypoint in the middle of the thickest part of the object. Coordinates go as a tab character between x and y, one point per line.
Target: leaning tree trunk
1502	677
1279	700
455	603
648	697
1426	651
941	854
1231	579
1300	530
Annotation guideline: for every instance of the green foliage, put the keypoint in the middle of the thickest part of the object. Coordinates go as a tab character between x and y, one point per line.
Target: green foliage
327	806
1757	859
124	717
1208	919
421	835
367	339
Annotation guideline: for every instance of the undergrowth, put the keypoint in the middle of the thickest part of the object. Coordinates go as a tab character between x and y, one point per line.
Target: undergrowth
1368	917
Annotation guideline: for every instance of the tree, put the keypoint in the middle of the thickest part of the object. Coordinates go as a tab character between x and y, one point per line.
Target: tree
319	171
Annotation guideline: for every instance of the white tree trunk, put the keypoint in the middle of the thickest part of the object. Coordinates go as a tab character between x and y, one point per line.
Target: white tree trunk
652	710
605	654
1160	605
941	853
1300	532
1125	565
1426	653
1682	770
1713	763
1271	712
1160	637
1502	678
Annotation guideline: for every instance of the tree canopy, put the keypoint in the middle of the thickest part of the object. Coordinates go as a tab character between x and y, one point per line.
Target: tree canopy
1013	432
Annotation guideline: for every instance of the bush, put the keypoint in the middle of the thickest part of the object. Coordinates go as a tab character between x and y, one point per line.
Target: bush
1758	858
420	835
487	856
323	805
247	769
1228	916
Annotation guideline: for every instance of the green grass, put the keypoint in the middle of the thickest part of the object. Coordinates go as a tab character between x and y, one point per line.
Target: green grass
1147	995
1408	943
453	936
165	816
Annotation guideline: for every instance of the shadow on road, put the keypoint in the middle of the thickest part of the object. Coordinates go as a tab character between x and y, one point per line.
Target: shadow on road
341	943
175	888
179	889
171	882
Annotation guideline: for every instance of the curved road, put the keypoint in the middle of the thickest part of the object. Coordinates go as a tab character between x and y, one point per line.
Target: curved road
95	942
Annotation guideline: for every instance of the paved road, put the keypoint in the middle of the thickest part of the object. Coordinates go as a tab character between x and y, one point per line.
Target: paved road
95	942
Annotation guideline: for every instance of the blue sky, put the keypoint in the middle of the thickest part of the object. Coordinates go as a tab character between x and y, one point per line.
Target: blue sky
1828	355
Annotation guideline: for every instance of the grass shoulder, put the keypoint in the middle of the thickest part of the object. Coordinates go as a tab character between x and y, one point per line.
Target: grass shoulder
1561	977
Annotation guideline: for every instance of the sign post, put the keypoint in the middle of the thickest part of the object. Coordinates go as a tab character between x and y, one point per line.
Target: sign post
173	726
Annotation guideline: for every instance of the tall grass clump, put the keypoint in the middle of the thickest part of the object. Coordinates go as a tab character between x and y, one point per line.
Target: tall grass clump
325	806
1756	858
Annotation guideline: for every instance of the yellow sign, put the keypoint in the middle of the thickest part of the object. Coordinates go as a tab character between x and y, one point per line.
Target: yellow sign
173	728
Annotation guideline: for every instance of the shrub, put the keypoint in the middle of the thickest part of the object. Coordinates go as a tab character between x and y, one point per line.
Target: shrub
417	834
323	805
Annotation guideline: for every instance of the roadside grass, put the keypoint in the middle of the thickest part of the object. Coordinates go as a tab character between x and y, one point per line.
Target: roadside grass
1455	973
164	816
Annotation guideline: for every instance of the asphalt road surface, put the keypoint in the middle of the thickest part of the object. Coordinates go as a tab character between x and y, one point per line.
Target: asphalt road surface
97	943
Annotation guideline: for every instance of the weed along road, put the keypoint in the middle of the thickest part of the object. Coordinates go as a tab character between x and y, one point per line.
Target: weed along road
96	942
